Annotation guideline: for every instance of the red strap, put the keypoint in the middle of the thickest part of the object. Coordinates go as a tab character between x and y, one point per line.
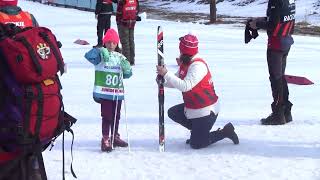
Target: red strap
285	29
276	31
6	156
291	26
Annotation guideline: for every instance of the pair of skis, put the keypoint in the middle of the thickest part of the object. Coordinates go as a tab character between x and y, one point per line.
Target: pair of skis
160	90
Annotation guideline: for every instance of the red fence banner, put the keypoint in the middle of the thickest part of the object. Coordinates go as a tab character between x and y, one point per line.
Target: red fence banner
81	42
298	80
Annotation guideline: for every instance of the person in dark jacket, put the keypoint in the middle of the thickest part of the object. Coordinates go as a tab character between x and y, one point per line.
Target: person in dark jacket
103	12
279	24
126	18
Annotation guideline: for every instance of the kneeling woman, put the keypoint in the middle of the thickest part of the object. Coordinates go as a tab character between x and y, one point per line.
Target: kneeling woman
199	111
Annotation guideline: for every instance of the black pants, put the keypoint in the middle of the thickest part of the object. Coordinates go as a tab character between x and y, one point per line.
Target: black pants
102	26
19	169
199	127
277	61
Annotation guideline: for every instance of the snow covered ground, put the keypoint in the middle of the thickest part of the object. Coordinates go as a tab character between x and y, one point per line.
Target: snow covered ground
306	10
291	151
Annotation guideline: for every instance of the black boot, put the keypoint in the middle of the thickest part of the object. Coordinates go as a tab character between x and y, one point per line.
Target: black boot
226	132
276	117
287	112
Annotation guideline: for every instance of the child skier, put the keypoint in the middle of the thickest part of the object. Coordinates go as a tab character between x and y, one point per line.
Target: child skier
110	69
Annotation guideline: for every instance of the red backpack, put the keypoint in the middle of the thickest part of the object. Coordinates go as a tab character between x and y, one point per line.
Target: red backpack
32	54
31	110
129	10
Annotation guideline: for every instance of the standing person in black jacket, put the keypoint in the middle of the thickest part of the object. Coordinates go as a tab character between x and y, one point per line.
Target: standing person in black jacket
103	14
279	24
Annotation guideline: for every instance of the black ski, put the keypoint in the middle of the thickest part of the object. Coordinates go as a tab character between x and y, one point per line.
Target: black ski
160	90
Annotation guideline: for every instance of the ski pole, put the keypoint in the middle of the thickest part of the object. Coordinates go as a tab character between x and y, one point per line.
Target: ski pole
125	113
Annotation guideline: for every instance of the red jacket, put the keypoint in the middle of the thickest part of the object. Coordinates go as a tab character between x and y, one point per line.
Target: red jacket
127	11
23	19
201	95
15	15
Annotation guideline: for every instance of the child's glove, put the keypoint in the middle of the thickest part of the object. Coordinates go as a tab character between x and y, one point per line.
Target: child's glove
105	54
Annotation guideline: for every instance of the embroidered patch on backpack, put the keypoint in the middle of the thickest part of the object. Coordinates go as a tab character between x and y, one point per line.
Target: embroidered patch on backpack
43	50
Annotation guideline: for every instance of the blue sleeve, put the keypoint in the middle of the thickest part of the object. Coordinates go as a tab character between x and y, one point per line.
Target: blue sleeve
93	56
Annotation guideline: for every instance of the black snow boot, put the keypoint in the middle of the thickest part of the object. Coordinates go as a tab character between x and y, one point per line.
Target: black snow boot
276	117
226	132
287	112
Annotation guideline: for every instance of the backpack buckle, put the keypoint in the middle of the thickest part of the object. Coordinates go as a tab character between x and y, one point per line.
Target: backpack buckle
29	92
19	58
19	130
